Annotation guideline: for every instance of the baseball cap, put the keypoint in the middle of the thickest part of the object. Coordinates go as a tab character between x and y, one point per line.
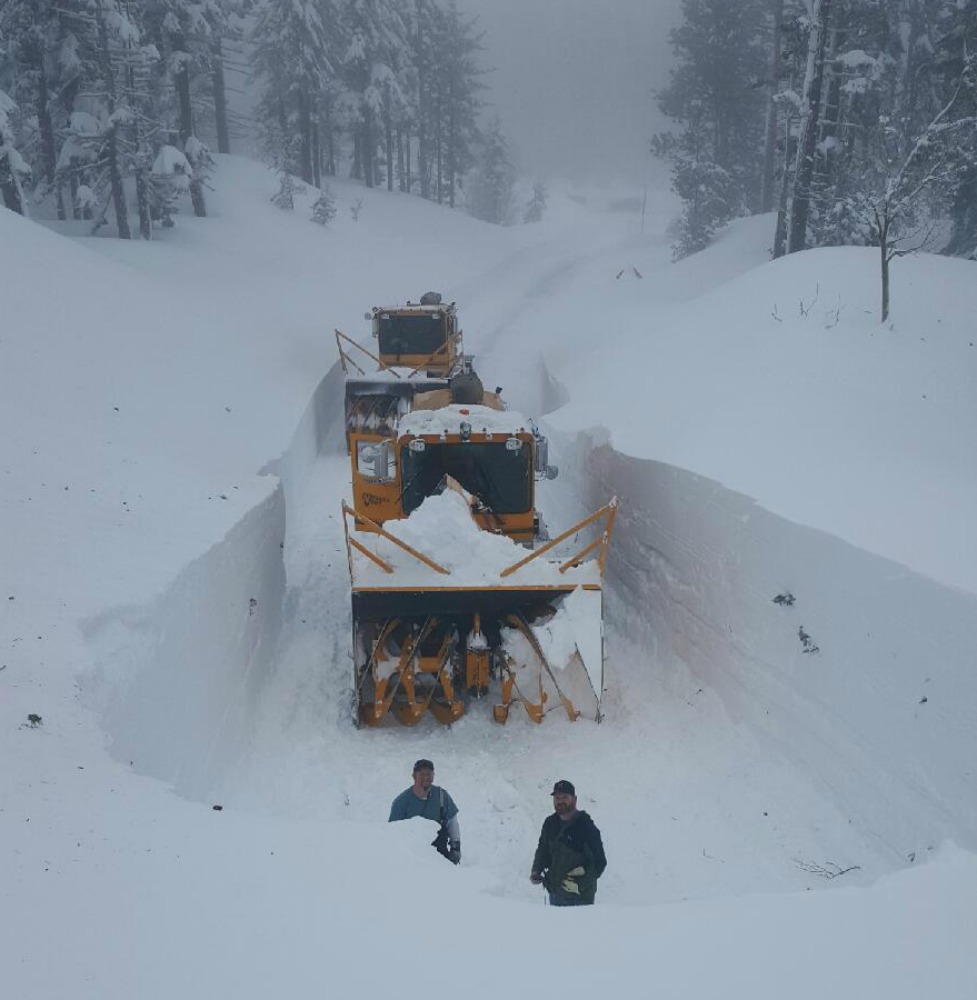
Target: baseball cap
564	787
423	765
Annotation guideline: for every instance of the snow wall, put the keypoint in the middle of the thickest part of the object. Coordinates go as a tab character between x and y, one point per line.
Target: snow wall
178	683
882	714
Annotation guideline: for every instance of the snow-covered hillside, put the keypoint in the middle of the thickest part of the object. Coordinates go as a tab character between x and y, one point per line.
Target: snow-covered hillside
175	609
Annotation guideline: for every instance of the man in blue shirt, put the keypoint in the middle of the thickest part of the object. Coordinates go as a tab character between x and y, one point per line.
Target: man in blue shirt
426	799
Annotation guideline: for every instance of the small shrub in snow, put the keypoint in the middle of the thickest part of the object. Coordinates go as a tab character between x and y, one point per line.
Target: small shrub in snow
537	204
786	599
170	178
324	210
285	198
807	642
85	201
355	208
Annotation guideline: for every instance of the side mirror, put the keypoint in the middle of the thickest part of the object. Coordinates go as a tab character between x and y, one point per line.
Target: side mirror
552	471
542	453
381	462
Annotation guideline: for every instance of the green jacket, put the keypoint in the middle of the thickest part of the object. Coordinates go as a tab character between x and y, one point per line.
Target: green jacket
565	845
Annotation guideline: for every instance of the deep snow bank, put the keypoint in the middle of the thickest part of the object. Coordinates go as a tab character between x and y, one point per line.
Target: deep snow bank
782	385
862	676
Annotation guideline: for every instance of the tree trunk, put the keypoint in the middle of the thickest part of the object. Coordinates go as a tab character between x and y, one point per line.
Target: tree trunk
773	88
220	97
807	146
882	225
401	174
389	140
13	196
331	168
355	170
407	164
182	84
316	156
112	153
197	198
368	152
144	203
423	137
451	157
831	120
73	192
780	233
439	155
118	192
305	138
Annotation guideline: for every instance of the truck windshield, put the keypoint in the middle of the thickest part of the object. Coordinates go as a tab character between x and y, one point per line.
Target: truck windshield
500	478
422	334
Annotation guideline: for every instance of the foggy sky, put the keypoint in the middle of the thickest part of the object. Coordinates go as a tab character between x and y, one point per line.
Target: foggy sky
573	81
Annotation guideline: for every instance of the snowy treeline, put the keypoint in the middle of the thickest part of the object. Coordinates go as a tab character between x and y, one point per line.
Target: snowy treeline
111	106
853	119
101	102
384	90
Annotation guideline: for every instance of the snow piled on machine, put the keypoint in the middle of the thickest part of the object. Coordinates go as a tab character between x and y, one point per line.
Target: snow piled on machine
572	637
448	419
443	529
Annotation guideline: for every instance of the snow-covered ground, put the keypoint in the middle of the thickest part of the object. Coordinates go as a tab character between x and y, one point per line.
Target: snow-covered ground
175	608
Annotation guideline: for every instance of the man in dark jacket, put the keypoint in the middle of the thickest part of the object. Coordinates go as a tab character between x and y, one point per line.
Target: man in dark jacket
570	856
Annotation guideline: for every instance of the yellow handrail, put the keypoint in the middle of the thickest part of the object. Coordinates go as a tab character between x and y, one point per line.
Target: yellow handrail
344	355
443	348
579	557
607	510
380	530
385	566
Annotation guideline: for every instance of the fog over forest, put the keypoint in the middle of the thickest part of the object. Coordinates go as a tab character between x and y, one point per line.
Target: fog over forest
573	82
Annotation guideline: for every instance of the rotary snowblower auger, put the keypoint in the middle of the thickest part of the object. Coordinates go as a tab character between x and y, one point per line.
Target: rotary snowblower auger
457	595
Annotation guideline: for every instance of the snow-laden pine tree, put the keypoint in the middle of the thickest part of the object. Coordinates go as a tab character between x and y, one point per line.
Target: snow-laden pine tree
536	206
716	98
445	46
35	44
294	55
189	34
489	195
13	167
324	210
374	71
895	140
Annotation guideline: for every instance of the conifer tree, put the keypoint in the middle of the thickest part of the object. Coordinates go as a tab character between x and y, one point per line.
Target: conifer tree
293	60
490	185
373	66
536	206
716	97
13	166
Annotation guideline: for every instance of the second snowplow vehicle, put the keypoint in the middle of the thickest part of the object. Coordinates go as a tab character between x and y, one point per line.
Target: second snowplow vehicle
456	590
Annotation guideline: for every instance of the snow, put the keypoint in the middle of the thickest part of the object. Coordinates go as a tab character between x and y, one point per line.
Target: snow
442	529
170	161
175	608
448	420
856	59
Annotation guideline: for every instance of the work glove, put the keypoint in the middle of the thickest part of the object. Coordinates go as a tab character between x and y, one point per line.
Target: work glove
569	885
454	854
